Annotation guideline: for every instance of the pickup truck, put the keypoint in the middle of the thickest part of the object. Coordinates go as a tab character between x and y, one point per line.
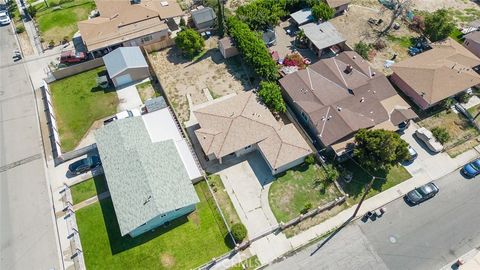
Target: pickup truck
123	115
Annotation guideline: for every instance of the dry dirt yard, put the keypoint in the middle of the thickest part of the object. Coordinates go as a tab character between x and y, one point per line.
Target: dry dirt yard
179	76
354	27
432	5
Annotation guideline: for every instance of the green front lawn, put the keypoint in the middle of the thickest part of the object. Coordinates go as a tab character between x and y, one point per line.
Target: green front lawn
60	18
185	244
290	192
78	102
88	188
223	199
356	187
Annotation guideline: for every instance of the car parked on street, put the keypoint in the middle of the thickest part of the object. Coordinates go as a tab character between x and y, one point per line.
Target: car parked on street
4	18
84	165
421	194
427	137
472	169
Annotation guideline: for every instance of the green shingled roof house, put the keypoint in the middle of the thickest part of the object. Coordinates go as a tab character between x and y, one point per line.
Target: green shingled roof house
148	181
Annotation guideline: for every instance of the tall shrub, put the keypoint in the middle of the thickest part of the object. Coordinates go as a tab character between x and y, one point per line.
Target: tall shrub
253	49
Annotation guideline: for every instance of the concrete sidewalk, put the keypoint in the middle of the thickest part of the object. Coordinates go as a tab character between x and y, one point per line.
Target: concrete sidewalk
377	201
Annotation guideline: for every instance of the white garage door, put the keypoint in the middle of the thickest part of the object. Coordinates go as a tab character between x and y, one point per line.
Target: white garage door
124	79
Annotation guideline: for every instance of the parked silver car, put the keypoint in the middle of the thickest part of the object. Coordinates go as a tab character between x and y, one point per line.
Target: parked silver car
427	137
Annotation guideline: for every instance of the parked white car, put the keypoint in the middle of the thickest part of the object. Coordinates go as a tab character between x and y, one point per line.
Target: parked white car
122	115
4	18
427	137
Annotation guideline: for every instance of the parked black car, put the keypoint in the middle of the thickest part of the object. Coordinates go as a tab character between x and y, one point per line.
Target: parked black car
84	165
421	194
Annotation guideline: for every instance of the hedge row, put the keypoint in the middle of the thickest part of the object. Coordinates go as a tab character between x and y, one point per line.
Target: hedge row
253	49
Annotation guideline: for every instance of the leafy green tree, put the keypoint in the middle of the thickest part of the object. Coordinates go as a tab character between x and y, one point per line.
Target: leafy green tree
271	94
262	14
182	22
190	42
378	150
438	25
441	134
322	11
220	20
253	49
362	49
331	173
239	232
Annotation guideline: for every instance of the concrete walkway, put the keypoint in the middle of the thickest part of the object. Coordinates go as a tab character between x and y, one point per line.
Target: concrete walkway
129	98
91	200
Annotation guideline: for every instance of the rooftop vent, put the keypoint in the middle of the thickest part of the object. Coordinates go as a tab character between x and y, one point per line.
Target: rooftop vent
362	99
348	69
339	108
164	3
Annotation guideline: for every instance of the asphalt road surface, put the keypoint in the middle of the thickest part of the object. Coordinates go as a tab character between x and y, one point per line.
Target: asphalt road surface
27	231
427	236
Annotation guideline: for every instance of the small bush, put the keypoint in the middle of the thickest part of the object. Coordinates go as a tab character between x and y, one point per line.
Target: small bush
448	103
463	97
239	232
32	11
310	159
362	49
331	173
51	43
182	22
20	29
306	208
441	134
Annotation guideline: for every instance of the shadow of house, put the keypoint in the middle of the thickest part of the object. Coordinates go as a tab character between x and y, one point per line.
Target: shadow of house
119	243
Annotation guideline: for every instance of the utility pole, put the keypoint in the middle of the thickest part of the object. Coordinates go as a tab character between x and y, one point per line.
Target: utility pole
367	189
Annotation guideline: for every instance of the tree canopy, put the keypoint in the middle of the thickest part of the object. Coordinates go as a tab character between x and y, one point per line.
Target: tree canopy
378	150
438	25
321	11
362	49
253	49
271	94
190	42
262	14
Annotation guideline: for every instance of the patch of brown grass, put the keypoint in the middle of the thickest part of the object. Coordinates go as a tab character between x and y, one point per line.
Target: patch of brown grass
167	260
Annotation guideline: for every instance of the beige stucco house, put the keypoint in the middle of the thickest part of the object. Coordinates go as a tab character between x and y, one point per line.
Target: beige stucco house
242	124
444	71
130	23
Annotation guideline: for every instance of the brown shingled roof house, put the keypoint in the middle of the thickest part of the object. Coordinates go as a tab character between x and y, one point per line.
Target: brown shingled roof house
335	97
444	71
129	23
241	124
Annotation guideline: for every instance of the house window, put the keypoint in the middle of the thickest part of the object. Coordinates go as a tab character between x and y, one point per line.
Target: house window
146	38
304	116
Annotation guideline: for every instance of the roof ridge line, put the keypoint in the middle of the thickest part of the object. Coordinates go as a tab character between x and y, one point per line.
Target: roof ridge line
340	72
325	122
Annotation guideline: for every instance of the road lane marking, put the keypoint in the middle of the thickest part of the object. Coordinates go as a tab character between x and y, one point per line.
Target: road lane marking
20	162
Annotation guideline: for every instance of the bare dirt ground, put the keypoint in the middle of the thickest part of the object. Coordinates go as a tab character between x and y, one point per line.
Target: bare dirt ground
354	27
432	5
179	76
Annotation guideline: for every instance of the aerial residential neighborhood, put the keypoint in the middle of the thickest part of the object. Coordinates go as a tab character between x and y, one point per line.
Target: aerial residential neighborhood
240	134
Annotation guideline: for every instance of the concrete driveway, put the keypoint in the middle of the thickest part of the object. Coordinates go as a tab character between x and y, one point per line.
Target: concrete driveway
247	180
430	165
129	98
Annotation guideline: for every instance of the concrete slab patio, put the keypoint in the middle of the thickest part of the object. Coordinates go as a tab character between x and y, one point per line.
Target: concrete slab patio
129	98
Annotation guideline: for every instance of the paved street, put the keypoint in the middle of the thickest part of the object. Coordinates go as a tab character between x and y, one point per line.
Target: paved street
27	231
427	236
